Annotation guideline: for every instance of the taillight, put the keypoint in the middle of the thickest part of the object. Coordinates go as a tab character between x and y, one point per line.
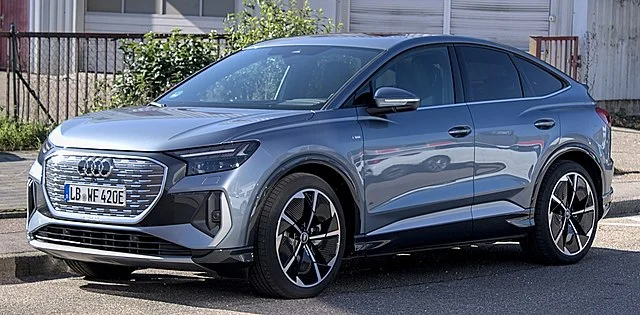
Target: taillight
604	114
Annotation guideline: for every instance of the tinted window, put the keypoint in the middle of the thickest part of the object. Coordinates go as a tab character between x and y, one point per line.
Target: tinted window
142	6
535	80
104	6
425	73
488	75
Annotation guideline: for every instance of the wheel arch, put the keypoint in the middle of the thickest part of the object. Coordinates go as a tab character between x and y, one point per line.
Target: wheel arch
329	170
584	157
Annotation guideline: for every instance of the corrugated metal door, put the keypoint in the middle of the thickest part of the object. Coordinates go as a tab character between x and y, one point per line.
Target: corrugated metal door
508	22
399	16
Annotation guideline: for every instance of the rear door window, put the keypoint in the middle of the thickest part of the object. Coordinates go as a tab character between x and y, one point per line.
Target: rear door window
535	80
488	74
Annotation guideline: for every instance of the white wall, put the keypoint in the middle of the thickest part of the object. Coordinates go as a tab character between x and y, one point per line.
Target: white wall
99	22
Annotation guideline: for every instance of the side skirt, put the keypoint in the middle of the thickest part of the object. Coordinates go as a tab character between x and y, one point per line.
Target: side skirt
489	222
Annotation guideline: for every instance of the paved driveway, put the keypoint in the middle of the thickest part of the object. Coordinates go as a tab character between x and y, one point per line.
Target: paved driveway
14	167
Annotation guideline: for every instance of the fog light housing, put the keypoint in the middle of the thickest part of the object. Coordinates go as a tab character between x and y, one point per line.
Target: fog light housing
214	217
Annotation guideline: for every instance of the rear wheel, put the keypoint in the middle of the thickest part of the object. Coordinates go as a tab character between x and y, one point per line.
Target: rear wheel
566	216
100	271
300	238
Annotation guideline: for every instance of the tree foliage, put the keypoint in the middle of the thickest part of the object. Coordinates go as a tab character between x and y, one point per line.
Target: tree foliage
268	19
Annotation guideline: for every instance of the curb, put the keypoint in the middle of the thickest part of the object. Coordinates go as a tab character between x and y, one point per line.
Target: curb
25	265
13	214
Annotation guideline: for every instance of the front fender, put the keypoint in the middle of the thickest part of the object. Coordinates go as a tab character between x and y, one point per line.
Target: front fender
340	166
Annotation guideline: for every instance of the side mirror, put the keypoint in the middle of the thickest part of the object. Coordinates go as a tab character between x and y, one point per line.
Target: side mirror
391	100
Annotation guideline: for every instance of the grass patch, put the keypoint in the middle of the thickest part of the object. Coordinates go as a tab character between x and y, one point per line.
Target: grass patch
15	135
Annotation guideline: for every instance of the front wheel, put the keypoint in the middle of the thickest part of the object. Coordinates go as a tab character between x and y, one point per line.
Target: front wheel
566	216
300	238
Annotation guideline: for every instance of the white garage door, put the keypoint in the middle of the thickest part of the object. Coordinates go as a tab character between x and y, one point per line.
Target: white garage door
396	16
506	21
510	22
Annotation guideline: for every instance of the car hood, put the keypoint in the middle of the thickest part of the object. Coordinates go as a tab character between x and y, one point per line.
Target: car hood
152	128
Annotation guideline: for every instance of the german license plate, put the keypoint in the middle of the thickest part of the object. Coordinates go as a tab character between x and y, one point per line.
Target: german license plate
95	195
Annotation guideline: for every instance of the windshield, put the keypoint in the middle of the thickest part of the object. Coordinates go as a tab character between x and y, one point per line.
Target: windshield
285	77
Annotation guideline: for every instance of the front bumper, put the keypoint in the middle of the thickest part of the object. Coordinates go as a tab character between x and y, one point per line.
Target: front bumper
607	200
179	217
193	263
199	259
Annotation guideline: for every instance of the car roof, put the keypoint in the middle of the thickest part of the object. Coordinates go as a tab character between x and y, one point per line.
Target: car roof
374	41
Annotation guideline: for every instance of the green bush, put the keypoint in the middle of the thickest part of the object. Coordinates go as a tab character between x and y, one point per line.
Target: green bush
155	64
262	20
21	136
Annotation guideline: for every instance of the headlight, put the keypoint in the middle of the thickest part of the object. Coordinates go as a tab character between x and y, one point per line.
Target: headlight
46	146
216	158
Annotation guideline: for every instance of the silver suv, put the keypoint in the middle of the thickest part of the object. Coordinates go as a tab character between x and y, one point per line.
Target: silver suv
279	161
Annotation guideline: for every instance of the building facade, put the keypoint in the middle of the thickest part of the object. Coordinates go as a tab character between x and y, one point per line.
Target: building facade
511	21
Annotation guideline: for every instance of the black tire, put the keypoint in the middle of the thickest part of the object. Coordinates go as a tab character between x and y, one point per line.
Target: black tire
267	274
100	271
539	245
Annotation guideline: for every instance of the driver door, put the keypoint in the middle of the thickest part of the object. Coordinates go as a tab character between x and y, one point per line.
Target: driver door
417	165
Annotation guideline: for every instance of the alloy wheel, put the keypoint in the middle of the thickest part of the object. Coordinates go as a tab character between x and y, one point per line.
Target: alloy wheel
308	238
572	214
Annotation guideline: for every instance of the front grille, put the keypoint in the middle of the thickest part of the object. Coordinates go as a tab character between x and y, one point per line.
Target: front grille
143	180
109	240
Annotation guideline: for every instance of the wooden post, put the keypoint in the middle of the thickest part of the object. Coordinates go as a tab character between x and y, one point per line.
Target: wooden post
534	45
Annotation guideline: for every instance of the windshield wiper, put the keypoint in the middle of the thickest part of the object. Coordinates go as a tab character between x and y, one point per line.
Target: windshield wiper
156	104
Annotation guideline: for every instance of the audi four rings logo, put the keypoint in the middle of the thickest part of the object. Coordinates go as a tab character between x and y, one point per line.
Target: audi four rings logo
95	167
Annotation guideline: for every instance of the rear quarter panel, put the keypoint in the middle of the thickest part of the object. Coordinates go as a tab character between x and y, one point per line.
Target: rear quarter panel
581	129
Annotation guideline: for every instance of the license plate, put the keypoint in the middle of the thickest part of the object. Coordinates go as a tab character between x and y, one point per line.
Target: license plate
95	195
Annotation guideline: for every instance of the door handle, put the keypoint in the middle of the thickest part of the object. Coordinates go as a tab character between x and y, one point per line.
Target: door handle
460	131
545	124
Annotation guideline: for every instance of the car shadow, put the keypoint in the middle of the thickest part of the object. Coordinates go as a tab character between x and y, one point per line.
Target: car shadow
9	157
373	279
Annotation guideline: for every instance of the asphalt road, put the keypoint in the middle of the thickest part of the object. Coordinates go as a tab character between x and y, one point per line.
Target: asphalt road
472	280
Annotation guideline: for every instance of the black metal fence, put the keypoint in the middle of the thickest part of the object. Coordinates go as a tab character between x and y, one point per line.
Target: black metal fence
51	77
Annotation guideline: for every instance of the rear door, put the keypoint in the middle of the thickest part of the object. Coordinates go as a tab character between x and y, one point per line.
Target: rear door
417	165
513	125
